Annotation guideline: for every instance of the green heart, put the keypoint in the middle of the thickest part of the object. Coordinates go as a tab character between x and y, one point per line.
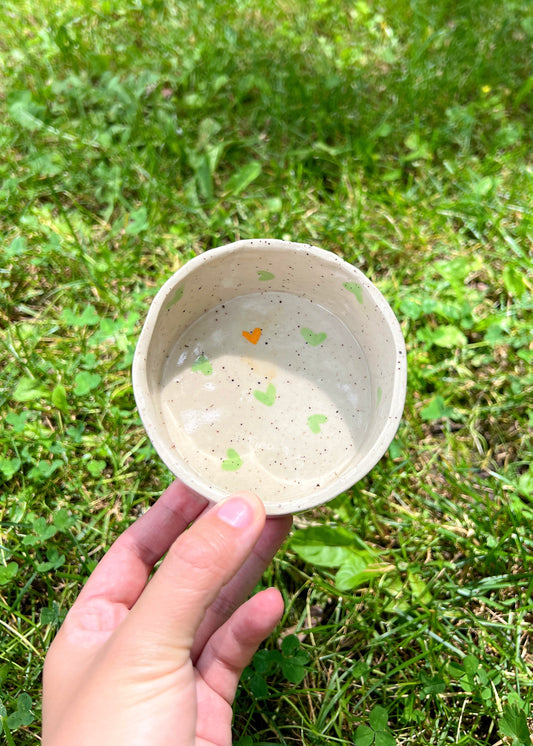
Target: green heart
264	276
233	462
311	337
178	295
267	397
315	420
202	365
356	289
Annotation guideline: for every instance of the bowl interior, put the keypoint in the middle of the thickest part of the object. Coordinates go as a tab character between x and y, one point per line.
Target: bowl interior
270	367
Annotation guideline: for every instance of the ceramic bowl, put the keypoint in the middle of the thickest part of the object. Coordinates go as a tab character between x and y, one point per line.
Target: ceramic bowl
273	367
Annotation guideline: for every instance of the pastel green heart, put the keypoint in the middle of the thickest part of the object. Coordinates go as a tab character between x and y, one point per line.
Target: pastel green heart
178	295
315	421
311	337
356	289
202	365
267	397
264	276
233	462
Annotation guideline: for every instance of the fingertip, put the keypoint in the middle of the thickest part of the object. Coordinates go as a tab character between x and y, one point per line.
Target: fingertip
241	510
271	601
178	490
283	522
259	616
252	498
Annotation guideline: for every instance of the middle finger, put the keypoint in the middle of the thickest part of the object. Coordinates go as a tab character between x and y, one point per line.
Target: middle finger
238	589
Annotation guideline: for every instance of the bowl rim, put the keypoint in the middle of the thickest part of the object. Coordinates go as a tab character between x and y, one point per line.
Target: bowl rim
171	457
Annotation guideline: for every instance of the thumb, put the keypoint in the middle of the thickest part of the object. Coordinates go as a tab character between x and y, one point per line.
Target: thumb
199	563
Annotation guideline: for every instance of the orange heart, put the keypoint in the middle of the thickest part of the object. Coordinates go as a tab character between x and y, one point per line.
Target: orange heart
253	337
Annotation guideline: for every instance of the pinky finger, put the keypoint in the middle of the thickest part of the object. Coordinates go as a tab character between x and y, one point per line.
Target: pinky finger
231	648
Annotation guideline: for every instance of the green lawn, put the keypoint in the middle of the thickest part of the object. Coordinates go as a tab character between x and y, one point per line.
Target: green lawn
135	134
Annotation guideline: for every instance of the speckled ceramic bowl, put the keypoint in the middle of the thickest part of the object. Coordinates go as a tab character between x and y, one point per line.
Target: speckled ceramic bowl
270	366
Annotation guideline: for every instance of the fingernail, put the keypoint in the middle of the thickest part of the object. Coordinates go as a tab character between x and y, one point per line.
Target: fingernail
237	512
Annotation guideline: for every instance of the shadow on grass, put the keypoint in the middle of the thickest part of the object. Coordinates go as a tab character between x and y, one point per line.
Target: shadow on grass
130	114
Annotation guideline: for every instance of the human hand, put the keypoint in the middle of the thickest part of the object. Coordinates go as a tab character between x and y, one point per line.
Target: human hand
157	661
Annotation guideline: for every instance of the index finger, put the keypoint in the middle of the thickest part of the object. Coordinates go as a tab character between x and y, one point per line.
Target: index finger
198	564
121	575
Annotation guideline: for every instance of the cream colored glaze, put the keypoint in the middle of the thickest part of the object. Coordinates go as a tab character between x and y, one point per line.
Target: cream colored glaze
208	414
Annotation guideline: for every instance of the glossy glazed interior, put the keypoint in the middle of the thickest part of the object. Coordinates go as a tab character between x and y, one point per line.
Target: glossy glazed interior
291	411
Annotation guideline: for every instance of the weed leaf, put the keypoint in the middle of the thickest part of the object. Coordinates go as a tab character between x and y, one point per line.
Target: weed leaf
294	660
258	686
525	483
204	179
88	317
25	111
17	247
513	724
364	736
242	178
384	738
514	281
23	715
378	732
63	520
138	222
8	572
437	409
471	665
9	467
96	467
323	545
28	389
448	336
351	573
86	382
378	718
59	398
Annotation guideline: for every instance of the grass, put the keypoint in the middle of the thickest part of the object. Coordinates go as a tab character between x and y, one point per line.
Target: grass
136	134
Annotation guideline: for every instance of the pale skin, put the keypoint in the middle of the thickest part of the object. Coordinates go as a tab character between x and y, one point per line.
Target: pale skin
156	659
